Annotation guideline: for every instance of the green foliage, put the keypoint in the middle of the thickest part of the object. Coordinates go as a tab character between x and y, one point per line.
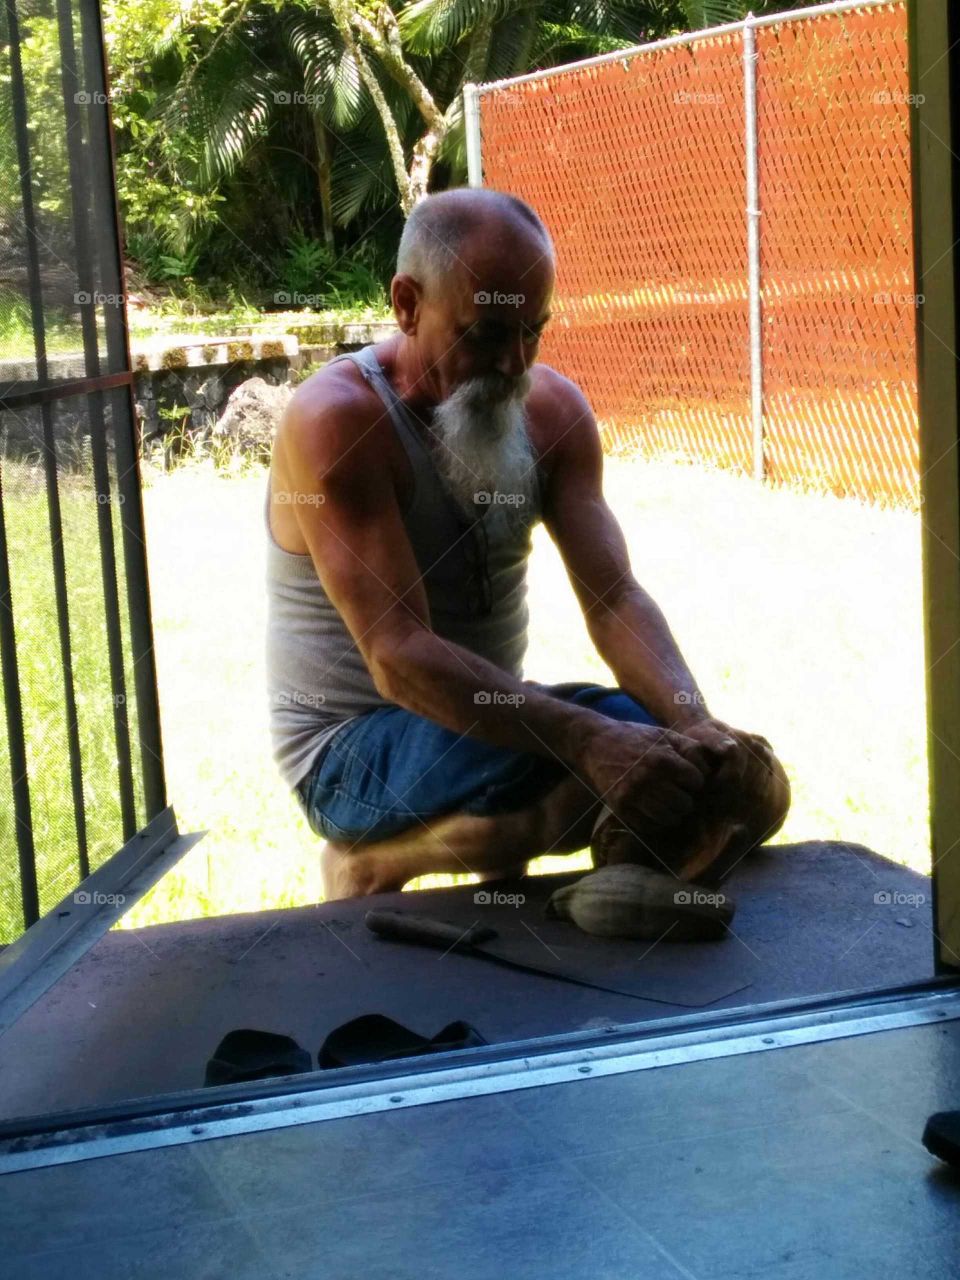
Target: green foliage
311	270
305	264
61	330
40	57
714	13
251	152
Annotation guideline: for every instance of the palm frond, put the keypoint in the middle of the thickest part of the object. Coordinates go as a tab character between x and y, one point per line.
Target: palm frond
713	13
554	38
430	26
362	178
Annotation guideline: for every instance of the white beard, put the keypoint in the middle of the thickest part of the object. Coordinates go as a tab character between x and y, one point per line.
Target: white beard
483	447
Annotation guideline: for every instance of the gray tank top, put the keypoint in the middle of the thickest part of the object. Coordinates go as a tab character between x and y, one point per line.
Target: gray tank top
317	680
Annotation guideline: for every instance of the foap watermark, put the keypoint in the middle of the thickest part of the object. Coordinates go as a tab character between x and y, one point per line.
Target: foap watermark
296	698
297	98
104	498
697	98
496	697
295	498
94	97
896	98
84	298
497	498
86	898
496	898
283	298
684	698
897	898
892	299
497	299
698	898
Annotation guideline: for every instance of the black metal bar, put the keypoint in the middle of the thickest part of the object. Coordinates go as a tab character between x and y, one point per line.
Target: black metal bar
23	816
106	216
49	455
18	752
63	628
11	399
101	472
126	428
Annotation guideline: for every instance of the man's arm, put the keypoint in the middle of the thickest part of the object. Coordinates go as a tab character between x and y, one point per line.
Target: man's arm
625	624
333	449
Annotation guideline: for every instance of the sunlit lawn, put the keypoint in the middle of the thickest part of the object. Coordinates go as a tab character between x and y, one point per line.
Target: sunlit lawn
800	615
40	676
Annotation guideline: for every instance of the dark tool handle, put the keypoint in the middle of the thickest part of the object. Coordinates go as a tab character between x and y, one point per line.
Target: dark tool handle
400	926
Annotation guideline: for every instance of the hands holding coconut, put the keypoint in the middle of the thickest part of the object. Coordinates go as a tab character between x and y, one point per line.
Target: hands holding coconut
687	805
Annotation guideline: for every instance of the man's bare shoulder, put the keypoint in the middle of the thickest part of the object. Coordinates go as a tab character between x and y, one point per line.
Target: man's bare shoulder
332	416
559	413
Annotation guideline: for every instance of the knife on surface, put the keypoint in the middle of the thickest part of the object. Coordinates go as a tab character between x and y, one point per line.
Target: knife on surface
402	926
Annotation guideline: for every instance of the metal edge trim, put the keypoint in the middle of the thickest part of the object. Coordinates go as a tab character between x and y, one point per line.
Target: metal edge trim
54	943
465	1081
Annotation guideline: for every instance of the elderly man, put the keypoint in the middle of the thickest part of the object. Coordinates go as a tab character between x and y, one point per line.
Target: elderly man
405	480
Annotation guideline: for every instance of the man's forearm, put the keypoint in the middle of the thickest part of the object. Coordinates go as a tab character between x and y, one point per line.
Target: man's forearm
447	683
636	643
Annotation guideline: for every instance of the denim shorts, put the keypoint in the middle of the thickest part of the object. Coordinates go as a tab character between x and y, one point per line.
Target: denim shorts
391	769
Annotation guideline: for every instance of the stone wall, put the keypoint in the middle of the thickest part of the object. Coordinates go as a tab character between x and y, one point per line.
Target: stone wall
181	385
185	386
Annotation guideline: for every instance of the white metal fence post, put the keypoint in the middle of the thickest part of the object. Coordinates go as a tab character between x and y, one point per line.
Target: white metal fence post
471	129
753	244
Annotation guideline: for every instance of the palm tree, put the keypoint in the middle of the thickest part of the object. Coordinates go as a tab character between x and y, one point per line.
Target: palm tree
298	117
267	85
371	101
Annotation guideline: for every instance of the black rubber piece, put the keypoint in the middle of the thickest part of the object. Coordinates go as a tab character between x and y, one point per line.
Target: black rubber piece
255	1055
375	1038
941	1137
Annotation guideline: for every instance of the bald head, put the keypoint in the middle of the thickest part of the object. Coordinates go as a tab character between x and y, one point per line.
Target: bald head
456	231
472	296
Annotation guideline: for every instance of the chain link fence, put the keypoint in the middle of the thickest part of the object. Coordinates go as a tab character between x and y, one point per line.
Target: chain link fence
732	217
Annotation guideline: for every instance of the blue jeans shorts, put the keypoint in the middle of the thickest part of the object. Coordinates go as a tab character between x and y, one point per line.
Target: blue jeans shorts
390	769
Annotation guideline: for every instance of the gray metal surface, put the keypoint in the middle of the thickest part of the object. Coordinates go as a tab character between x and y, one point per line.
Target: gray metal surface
142	1012
40	957
204	1115
797	1164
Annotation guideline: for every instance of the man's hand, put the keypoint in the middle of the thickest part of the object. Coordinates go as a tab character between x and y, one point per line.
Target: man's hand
743	765
650	777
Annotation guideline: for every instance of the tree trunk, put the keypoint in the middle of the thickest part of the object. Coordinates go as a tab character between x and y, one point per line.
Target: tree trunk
324	170
383	38
342	13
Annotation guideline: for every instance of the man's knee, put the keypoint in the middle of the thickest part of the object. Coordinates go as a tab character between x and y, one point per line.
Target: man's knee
566	816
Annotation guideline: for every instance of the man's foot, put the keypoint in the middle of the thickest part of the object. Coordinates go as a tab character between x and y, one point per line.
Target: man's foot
504	873
349	871
355	871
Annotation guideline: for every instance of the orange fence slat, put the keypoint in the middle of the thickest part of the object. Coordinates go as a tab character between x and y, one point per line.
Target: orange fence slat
637	166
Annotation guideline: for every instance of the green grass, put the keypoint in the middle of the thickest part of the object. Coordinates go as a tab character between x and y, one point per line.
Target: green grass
42	690
799	614
62	331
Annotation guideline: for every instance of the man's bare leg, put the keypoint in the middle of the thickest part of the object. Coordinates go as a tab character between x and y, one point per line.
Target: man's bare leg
491	847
